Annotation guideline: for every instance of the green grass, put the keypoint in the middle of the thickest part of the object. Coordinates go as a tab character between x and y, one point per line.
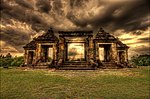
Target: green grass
100	84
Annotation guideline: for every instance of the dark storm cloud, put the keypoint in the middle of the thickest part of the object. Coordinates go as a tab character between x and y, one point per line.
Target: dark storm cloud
23	15
123	15
77	22
77	3
137	32
15	38
146	39
24	3
3	5
57	7
37	22
129	15
15	12
44	5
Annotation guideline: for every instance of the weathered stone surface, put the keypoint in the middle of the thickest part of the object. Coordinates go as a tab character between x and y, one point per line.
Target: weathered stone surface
48	36
115	52
30	45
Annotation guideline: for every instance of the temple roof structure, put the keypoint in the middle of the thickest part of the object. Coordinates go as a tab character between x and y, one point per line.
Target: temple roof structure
102	35
121	45
48	36
30	46
107	37
75	33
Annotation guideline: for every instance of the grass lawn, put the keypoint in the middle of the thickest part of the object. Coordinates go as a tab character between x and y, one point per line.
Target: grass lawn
99	84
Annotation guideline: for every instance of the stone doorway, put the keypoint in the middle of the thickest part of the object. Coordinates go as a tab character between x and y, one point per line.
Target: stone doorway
75	51
101	53
47	53
121	56
30	57
104	52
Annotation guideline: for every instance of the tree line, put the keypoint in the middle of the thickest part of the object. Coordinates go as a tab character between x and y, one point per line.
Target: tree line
141	60
7	60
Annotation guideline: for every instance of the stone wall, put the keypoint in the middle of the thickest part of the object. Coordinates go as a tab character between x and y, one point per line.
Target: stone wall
114	53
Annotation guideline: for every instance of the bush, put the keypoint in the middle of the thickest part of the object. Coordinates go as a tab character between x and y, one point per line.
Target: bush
8	60
17	61
141	60
5	61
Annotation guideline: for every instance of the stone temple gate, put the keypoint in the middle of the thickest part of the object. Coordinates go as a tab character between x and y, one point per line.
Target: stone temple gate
76	50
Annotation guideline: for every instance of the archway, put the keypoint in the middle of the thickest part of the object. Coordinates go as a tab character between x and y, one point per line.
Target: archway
75	51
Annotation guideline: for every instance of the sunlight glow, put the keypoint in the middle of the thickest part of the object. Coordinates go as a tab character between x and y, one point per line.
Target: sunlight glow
76	51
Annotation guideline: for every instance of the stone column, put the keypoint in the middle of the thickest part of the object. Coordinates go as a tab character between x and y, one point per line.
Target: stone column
87	49
114	52
118	59
97	51
61	48
94	50
126	55
26	57
55	53
91	45
34	57
38	52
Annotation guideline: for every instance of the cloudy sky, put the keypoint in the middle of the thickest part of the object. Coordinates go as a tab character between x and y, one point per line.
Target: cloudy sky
21	20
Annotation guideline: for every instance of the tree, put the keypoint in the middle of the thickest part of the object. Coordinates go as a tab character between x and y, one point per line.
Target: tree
8	55
8	60
141	60
17	61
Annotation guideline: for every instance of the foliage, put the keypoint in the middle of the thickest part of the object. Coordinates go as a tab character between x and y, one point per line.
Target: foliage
141	60
8	60
72	52
49	59
17	61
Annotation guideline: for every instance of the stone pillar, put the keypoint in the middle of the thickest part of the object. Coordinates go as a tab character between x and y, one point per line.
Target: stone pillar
87	49
61	48
94	50
55	53
91	45
118	59
126	55
38	52
34	57
26	57
114	53
97	51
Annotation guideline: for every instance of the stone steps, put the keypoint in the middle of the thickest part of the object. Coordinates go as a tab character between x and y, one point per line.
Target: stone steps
76	68
71	65
75	64
112	65
42	65
109	65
